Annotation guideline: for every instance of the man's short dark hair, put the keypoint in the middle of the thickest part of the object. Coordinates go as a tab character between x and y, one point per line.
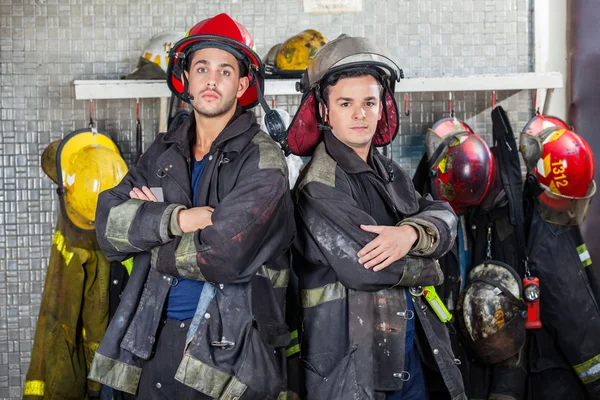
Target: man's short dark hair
242	66
335	78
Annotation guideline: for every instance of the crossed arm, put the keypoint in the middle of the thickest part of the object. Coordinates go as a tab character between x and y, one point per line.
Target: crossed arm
333	231
250	226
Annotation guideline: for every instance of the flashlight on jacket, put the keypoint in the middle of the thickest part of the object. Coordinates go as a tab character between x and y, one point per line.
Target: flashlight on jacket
531	291
436	304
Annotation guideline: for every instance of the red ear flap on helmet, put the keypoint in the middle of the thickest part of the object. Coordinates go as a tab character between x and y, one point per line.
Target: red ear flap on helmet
387	128
303	133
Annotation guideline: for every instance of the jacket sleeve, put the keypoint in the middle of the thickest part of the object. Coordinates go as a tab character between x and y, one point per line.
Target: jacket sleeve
329	233
253	224
436	223
126	226
569	312
94	309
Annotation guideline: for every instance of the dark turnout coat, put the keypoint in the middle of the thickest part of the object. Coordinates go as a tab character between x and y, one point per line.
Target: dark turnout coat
564	355
352	318
236	344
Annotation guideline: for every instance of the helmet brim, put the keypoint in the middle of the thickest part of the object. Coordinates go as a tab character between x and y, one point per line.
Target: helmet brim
180	53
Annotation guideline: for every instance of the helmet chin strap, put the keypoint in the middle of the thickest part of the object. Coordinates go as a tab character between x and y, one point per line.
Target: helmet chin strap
275	126
186	96
321	122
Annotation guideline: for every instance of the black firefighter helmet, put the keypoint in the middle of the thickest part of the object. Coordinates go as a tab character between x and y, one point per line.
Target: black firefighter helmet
491	312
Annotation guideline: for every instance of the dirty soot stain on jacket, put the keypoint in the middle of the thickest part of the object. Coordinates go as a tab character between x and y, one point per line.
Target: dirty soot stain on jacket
353	327
236	344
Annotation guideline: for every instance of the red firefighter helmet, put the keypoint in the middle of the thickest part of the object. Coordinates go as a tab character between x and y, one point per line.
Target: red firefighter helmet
540	122
563	164
224	33
462	167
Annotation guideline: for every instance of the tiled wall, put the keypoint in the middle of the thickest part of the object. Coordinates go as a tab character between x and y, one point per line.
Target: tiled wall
46	44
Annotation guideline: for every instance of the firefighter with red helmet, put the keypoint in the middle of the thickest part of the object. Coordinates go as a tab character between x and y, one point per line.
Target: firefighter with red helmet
207	215
564	354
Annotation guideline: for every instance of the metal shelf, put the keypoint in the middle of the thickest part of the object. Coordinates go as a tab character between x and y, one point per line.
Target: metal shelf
130	89
544	83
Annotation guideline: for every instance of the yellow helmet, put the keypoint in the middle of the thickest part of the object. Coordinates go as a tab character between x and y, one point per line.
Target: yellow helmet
294	55
88	163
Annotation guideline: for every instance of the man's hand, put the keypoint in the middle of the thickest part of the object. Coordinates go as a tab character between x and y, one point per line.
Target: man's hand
142	194
195	218
393	243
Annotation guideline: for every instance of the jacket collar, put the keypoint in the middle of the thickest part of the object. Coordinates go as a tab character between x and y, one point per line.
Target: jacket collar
345	156
351	162
241	122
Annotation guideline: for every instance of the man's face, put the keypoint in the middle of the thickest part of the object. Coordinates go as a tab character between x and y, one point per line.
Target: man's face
354	110
214	82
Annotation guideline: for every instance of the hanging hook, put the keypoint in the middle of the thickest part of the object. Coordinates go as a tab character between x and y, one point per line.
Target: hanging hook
92	126
493	99
536	110
406	105
450	105
138	132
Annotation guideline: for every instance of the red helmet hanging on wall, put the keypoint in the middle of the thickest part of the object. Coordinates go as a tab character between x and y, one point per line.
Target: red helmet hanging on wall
540	122
224	33
461	165
562	165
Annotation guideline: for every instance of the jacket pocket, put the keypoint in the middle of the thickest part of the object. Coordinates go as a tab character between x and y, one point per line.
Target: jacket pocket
340	384
262	368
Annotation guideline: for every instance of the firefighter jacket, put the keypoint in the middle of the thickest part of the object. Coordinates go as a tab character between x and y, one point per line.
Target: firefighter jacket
236	342
350	315
506	380
73	317
565	353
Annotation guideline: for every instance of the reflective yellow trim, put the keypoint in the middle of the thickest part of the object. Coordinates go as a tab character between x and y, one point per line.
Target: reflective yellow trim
59	241
584	255
93	346
128	264
278	278
289	395
314	297
115	374
90	346
294	334
34	388
295	349
185	258
589	371
119	222
209	380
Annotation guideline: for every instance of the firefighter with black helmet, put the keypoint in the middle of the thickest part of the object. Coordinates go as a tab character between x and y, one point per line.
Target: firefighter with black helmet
364	238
